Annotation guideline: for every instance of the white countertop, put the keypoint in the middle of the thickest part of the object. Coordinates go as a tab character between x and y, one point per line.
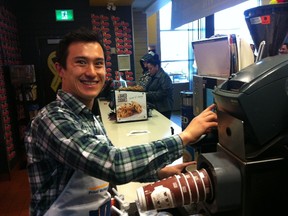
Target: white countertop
155	127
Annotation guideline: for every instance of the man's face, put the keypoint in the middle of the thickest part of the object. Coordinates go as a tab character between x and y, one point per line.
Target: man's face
152	69
283	49
85	72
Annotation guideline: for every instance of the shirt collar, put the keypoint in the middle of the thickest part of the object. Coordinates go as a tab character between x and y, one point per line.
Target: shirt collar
75	105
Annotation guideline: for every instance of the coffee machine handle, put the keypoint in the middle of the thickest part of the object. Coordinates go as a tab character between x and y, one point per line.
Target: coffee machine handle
260	51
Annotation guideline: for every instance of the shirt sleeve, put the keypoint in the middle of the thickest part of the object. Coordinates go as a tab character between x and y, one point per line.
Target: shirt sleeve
64	139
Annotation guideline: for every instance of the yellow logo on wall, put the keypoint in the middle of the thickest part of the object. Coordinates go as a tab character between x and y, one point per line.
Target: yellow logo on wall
56	79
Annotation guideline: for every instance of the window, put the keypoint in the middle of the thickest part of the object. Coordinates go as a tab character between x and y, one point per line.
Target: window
177	57
236	23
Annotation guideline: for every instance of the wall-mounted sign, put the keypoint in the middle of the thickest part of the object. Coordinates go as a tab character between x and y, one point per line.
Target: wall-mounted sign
123	62
64	15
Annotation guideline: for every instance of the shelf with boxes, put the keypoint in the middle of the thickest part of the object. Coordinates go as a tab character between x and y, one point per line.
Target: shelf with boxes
7	144
27	105
21	89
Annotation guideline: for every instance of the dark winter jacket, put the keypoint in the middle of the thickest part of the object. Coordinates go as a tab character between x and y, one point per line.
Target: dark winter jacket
159	91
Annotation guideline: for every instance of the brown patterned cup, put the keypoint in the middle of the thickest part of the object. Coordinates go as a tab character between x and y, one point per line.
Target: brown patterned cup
175	191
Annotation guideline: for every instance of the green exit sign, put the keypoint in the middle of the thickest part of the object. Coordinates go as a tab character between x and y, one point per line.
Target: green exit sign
64	15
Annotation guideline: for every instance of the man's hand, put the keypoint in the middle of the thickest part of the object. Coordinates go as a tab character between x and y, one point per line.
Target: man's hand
173	170
199	125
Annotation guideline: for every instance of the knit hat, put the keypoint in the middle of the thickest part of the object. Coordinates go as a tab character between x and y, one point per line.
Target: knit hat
147	57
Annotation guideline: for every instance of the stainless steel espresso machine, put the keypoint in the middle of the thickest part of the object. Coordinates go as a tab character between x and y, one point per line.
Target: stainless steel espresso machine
249	170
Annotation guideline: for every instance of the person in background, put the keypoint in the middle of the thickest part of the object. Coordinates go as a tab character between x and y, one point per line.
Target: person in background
70	158
159	89
284	49
143	80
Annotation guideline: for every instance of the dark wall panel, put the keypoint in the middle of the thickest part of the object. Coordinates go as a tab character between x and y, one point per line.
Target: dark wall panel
37	24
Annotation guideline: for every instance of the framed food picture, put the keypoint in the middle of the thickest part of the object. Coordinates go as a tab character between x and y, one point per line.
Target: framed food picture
130	106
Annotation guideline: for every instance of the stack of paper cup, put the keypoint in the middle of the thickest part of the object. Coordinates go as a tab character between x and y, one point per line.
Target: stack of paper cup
176	191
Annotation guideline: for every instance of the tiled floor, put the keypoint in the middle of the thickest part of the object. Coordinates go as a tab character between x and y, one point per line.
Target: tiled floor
14	193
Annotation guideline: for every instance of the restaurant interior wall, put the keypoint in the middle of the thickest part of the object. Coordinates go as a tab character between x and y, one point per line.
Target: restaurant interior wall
140	40
9	55
153	35
37	24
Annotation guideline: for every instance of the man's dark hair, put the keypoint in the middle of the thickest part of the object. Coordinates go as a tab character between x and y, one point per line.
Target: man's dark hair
79	35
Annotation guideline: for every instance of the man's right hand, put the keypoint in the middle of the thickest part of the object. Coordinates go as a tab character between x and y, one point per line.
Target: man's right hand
200	124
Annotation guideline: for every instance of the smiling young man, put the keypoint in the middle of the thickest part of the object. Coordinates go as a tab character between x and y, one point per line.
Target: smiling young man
83	73
70	158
